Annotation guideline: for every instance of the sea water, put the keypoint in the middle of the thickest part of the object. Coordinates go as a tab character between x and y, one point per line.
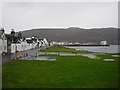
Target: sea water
104	49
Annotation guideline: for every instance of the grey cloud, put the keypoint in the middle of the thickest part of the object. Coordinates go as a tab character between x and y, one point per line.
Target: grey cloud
25	15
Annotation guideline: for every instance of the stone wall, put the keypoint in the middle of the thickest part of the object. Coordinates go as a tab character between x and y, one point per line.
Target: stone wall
6	58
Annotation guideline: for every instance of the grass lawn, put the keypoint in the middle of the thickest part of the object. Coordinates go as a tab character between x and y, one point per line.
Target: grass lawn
63	49
66	71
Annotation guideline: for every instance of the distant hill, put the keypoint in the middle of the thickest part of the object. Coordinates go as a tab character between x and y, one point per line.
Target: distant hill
74	34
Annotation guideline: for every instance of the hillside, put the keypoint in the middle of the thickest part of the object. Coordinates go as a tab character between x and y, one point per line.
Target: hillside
73	34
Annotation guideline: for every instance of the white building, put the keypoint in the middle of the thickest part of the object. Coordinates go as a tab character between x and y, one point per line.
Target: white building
22	45
28	43
103	42
3	42
14	43
44	42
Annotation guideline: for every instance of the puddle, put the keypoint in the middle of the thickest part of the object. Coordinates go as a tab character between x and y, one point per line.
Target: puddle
115	55
46	58
49	58
92	56
100	53
67	54
109	60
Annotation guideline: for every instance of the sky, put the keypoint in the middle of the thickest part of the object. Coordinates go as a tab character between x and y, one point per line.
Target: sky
28	15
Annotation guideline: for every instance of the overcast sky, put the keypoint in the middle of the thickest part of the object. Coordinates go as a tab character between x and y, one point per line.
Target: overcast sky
28	15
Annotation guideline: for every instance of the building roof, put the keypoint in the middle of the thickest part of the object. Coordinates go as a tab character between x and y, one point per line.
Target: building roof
29	41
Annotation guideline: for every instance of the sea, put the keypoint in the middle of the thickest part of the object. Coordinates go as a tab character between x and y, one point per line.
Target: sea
103	49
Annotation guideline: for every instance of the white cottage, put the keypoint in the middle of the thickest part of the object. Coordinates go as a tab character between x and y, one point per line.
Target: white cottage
3	41
103	42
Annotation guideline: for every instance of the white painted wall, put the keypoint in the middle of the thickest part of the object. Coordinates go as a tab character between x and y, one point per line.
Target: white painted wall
3	46
40	44
25	46
0	46
46	42
103	42
22	46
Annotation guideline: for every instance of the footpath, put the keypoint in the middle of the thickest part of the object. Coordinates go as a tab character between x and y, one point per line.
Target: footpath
21	54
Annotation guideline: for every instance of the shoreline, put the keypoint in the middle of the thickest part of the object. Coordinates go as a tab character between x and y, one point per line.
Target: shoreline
85	45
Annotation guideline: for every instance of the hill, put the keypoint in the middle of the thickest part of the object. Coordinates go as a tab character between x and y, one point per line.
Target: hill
74	34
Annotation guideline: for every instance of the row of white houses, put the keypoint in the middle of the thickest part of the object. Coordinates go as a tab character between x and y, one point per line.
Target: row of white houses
21	45
28	44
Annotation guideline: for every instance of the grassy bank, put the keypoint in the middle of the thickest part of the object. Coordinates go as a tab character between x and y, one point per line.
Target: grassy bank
57	48
66	71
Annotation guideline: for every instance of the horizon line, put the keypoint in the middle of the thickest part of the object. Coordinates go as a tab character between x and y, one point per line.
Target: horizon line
69	27
17	30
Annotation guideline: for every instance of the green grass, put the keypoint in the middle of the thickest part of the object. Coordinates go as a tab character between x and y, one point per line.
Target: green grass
109	56
65	72
57	48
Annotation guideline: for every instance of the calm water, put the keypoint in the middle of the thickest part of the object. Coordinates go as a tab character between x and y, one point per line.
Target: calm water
105	49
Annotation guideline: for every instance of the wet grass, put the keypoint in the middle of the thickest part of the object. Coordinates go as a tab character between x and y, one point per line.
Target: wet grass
57	48
109	56
49	55
65	72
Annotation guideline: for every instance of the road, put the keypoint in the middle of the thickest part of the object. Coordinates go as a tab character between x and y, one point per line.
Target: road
23	54
27	53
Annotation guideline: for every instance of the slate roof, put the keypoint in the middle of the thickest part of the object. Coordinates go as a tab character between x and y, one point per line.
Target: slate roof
29	41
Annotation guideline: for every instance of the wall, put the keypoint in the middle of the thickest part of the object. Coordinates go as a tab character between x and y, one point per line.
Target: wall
3	46
6	58
0	46
22	46
45	41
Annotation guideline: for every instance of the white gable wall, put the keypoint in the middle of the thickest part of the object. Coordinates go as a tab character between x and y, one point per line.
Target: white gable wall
3	46
0	46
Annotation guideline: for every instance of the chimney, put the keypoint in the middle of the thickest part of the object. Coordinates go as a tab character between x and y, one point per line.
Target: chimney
2	31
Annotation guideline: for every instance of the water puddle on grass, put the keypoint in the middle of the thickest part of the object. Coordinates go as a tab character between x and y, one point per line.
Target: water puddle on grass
49	58
67	54
92	56
115	55
109	60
